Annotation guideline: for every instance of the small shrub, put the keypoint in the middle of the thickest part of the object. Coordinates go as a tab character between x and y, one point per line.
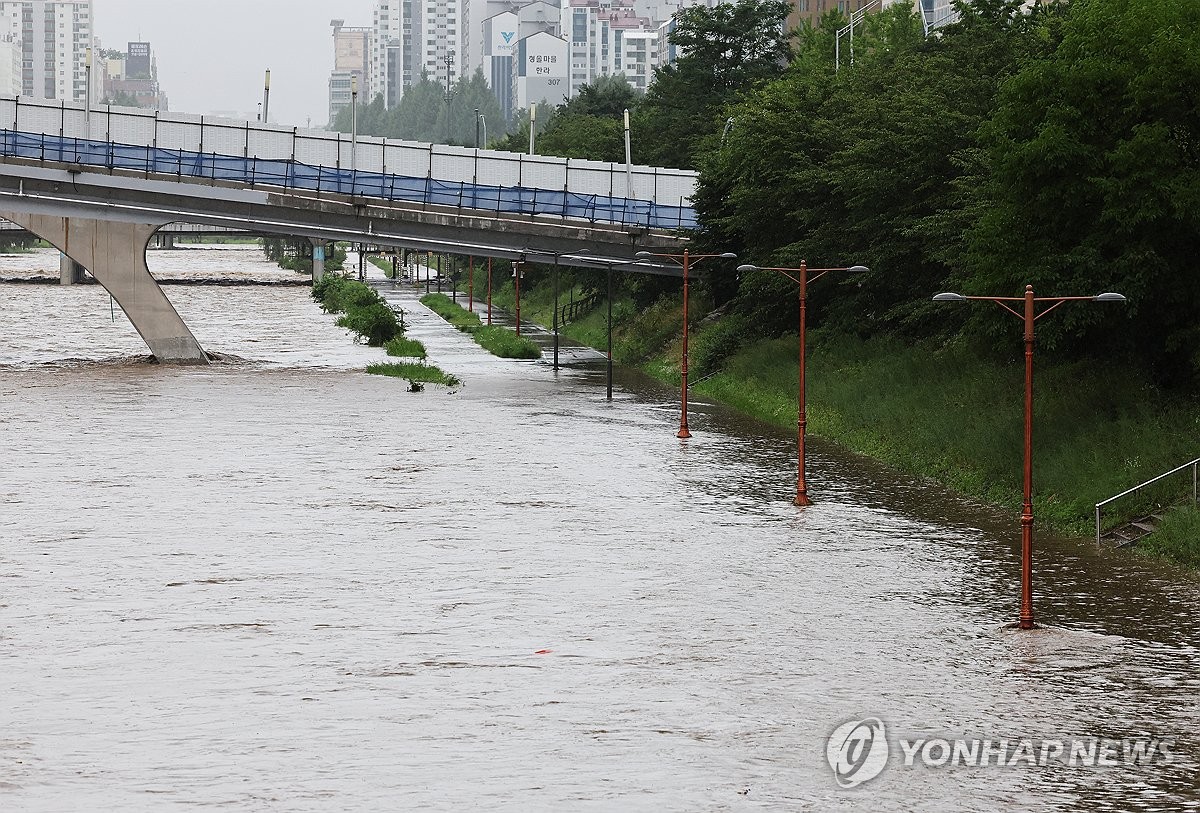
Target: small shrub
376	322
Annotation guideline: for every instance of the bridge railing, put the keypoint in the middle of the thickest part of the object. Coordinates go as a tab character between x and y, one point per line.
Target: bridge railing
257	153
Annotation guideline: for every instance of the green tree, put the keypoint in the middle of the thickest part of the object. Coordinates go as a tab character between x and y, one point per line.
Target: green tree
1094	154
725	51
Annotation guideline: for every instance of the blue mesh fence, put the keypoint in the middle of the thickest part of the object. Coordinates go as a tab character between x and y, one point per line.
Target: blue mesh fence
296	175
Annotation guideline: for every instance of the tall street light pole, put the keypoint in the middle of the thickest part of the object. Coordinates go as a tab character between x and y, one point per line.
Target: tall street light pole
353	127
267	97
477	128
801	277
686	259
87	95
1028	314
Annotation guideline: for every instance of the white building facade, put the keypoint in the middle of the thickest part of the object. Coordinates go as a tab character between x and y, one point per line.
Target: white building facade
54	36
540	70
440	40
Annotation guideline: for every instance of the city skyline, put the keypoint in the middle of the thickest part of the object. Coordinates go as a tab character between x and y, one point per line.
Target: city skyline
209	64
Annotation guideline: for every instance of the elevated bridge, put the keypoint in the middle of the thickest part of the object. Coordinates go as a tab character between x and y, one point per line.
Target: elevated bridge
99	184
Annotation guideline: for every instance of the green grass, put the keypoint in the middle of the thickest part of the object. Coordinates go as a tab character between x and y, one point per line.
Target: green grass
499	341
422	373
946	414
1177	538
502	342
406	348
382	263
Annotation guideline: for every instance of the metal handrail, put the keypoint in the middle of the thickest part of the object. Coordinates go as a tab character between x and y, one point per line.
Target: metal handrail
1194	464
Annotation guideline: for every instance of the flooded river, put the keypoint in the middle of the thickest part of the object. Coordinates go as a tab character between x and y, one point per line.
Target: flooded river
278	583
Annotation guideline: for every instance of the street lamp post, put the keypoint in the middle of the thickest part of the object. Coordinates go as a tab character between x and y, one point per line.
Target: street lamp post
266	110
353	128
471	283
801	278
517	282
87	95
686	260
489	302
1029	314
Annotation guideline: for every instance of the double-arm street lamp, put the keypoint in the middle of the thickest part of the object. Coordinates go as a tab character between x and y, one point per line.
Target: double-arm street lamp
686	260
1028	314
801	277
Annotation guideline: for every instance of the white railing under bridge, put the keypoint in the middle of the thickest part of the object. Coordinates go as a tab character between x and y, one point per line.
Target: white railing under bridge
254	153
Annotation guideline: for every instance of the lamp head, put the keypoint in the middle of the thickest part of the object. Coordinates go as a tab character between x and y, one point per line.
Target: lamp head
742	269
858	269
728	255
949	297
645	255
1109	297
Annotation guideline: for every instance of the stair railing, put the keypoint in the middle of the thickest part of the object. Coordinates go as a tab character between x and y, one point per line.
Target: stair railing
1193	465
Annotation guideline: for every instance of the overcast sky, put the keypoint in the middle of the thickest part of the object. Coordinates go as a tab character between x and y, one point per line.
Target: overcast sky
212	53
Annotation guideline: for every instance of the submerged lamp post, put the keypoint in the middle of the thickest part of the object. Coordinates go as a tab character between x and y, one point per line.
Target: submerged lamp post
800	276
518	271
1028	314
686	260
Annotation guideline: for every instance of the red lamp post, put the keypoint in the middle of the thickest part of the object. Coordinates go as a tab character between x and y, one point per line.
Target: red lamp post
471	284
1028	314
686	260
517	272
801	278
489	300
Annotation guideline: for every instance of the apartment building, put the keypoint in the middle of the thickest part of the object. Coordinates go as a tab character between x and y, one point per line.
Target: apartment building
11	79
54	37
440	40
351	62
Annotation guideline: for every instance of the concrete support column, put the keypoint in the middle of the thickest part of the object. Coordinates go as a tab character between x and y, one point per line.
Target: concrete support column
115	254
318	271
69	271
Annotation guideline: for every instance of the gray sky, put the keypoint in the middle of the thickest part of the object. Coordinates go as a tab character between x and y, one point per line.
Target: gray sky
212	53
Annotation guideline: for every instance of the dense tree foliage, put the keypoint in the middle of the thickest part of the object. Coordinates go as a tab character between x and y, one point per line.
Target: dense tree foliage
424	114
1058	146
723	52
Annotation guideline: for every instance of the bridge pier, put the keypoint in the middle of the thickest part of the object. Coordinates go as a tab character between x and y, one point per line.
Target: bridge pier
115	254
69	271
318	268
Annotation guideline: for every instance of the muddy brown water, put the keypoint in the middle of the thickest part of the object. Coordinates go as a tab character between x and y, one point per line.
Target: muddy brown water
280	583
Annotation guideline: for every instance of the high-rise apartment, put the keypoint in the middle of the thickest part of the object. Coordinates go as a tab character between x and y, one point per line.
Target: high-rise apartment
54	37
394	61
441	39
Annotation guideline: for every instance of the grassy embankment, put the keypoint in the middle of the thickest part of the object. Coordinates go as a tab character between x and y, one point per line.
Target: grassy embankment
1177	538
938	411
364	312
499	341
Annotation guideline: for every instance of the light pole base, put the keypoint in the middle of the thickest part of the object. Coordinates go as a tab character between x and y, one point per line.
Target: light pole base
1023	624
683	432
802	500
